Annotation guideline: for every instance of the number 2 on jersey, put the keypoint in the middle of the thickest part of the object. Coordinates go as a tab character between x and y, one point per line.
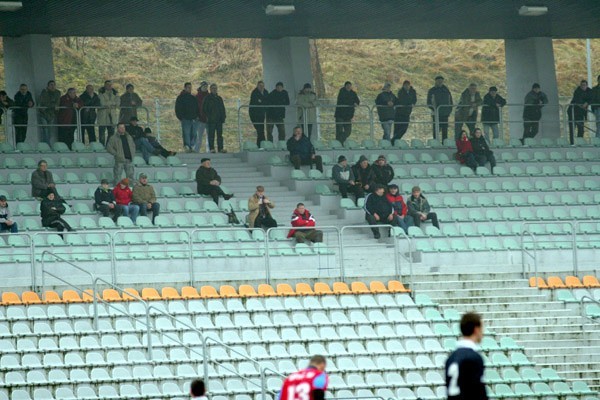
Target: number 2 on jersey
299	392
453	371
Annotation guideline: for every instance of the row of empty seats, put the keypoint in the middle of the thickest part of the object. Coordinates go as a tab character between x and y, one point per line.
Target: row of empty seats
571	282
68	161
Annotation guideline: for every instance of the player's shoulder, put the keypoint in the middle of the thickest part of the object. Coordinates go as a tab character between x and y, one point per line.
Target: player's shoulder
465	350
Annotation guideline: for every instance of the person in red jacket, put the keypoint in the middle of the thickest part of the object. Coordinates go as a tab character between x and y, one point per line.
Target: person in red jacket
123	196
465	151
404	220
302	218
67	116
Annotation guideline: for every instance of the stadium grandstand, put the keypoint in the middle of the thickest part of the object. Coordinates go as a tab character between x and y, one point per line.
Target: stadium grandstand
140	307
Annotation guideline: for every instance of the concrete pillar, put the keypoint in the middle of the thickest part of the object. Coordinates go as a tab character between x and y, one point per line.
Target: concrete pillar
529	61
287	60
28	60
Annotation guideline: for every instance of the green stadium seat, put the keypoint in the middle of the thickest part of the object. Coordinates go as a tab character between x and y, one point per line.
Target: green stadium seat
409	158
556	156
426	158
450	171
541	186
167	191
249	146
549	170
162	176
351	144
502	390
162	222
298	174
483	171
558	388
466	171
531	142
417	144
542	389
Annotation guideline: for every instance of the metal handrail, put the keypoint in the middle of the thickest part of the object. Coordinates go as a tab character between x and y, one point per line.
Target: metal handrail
573	239
364	226
584	311
265	123
77	123
525	251
397	238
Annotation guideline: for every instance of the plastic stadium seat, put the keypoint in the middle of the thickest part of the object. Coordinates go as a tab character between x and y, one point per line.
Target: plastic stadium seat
322	288
341	288
111	295
554	282
378	287
591	281
150	294
71	296
537	282
131	294
189	293
208	292
247	291
10	298
573	282
397	287
266	290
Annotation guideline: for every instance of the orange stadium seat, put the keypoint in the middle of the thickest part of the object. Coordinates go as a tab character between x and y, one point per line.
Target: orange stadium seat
150	294
170	293
87	296
130	294
51	297
10	298
304	289
247	291
554	282
111	295
591	281
189	292
31	298
322	288
266	290
537	282
378	287
208	292
341	288
284	289
228	291
71	296
397	287
573	282
359	288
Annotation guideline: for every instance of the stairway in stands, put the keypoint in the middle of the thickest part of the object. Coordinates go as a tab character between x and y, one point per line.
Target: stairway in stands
551	331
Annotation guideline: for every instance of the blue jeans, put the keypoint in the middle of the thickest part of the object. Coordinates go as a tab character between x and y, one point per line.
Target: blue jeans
46	131
146	147
13	228
188	132
493	128
387	128
405	222
198	140
155	209
132	211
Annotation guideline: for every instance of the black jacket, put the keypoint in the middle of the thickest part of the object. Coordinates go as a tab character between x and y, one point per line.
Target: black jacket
51	210
595	97
480	145
214	108
136	132
379	205
385	112
186	106
440	96
22	100
88	115
276	98
302	147
534	102
364	176
102	196
382	174
490	112
257	114
205	175
580	97
346	98
407	99
8	103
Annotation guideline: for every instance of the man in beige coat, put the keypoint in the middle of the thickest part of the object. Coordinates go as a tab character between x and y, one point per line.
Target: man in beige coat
108	114
259	206
307	103
122	147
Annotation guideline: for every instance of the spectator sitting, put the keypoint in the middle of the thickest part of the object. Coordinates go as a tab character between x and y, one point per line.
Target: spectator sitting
140	140
145	197
344	178
6	223
42	181
403	220
302	152
122	147
465	152
363	174
104	201
197	389
383	173
52	208
259	206
302	218
378	210
419	209
158	149
208	181
482	151
123	197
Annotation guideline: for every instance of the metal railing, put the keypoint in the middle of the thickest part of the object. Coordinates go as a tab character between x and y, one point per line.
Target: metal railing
585	317
244	123
81	125
524	252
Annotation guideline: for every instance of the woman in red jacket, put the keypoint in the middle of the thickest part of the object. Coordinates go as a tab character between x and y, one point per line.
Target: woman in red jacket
67	116
400	209
123	196
465	151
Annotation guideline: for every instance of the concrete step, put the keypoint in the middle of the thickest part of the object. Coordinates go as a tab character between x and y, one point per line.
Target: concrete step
435	292
537	335
566	358
535	343
498	298
535	320
470	282
515	307
574	350
539	328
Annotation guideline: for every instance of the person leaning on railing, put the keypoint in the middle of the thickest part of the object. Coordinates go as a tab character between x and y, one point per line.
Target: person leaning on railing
347	100
467	110
257	114
24	101
90	101
439	100
108	114
307	102
596	105
577	110
5	103
129	103
532	111
276	115
49	101
407	98
67	116
490	113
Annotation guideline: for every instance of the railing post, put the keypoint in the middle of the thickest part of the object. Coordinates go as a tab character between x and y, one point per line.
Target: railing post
267	257
263	384
95	303
157	117
33	287
113	257
149	332
32	255
205	362
342	265
574	239
79	134
436	116
239	122
371	123
191	250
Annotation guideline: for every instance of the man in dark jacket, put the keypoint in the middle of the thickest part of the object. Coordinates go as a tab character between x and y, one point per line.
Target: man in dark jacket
214	108
302	151
67	116
363	174
378	210
104	201
208	181
532	111
382	171
5	103
159	150
23	100
259	99
42	181
140	139
48	103
439	100
490	112
595	101
347	101
51	209
481	150
186	110
420	210
407	98
578	109
385	102
130	101
202	120
467	110
90	101
276	115
343	176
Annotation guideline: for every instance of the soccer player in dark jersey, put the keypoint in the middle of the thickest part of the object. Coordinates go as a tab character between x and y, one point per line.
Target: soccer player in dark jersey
306	384
464	367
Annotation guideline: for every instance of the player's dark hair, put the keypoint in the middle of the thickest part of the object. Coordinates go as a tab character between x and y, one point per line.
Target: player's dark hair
469	322
197	388
317	359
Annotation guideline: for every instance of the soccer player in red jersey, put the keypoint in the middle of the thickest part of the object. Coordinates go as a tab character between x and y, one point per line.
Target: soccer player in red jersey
306	384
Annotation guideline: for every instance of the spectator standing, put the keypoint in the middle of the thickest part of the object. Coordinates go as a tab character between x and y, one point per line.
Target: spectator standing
363	174
407	98
104	201
91	102
439	100
403	220
158	148
145	197
347	101
258	99
385	102
124	198
490	112
52	208
532	111
67	116
48	102
130	101
122	147
302	218
378	210
140	139
260	207
6	222
420	210
276	115
186	110
202	120
208	181
481	150
302	151
382	171
214	108
343	176
467	110
307	102
42	181
108	114
24	101
578	109
5	103
596	105
465	153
